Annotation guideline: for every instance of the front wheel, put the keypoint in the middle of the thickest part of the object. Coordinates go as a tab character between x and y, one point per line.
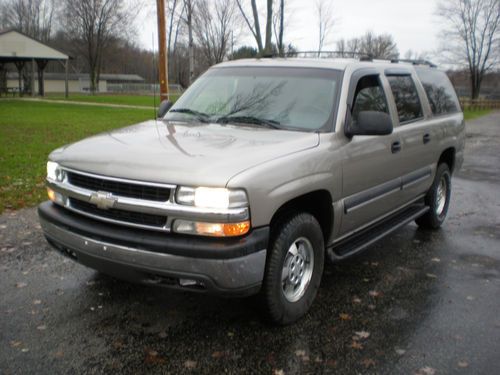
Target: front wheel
438	199
294	268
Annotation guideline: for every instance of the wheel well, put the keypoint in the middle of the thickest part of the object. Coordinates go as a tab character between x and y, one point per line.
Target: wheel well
317	203
448	157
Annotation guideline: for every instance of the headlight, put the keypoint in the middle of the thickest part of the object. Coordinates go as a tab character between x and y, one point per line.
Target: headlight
54	172
205	197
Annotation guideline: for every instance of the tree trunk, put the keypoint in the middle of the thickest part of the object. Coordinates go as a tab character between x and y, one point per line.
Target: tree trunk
191	44
268	49
258	36
282	27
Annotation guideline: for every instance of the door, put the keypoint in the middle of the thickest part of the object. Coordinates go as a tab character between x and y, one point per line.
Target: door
371	183
416	135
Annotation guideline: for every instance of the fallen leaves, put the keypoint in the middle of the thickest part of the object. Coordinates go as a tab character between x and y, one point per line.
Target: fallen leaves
426	371
374	293
362	335
152	357
368	362
219	354
400	351
190	365
356	300
344	316
302	355
356	345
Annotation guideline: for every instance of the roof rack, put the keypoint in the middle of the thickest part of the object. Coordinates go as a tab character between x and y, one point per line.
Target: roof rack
347	54
415	62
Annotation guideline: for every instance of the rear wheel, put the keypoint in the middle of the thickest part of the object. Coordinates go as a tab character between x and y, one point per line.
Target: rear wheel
438	199
294	268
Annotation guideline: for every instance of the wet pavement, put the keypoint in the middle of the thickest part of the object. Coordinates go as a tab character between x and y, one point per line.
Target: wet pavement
415	303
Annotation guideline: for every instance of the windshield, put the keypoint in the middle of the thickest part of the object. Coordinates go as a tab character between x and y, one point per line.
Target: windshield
288	98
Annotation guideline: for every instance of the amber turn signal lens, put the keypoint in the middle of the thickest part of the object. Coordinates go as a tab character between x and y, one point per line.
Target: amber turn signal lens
211	229
236	229
52	194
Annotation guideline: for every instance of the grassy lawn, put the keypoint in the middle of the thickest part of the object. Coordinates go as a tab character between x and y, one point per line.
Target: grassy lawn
472	114
29	131
142	100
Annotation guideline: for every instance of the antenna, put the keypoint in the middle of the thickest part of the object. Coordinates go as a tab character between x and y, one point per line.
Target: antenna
154	74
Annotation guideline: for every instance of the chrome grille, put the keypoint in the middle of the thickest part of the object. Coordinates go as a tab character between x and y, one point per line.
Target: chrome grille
139	218
120	188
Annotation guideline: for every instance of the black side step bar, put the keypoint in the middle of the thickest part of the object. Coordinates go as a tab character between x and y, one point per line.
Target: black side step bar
367	237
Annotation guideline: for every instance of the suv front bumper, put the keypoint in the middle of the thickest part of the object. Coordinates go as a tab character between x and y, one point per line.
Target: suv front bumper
223	266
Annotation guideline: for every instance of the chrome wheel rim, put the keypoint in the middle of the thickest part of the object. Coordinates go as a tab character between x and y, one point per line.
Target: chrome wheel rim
297	269
442	193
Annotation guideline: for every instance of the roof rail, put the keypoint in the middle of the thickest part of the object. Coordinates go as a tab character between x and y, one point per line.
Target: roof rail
415	62
347	54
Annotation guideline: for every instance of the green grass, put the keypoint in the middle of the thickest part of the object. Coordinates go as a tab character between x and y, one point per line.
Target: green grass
472	114
30	131
140	100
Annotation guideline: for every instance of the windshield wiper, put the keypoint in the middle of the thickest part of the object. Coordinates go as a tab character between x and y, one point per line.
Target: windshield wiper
249	120
203	117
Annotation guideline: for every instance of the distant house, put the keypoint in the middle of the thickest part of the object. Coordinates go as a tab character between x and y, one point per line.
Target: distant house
77	83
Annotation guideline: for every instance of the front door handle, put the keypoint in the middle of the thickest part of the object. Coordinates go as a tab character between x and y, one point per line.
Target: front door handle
396	147
426	138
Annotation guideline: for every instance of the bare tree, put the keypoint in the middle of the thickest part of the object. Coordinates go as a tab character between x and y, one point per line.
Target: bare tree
190	6
279	26
472	36
32	17
255	25
326	21
92	24
370	45
214	22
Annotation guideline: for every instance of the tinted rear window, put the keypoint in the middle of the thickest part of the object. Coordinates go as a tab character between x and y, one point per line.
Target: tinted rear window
406	97
439	90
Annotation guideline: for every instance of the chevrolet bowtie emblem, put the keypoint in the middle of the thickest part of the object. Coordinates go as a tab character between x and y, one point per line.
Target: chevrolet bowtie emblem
103	200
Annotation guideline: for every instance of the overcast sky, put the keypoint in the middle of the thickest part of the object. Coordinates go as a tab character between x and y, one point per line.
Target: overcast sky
412	23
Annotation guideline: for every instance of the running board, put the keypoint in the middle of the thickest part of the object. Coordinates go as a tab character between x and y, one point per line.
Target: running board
360	241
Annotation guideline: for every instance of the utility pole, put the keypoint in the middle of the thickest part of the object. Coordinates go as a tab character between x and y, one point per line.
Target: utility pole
162	47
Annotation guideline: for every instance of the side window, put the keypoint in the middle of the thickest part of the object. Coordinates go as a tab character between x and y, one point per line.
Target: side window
440	92
369	96
406	98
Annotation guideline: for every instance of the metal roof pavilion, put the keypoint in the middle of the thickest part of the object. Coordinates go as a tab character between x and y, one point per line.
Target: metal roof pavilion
19	49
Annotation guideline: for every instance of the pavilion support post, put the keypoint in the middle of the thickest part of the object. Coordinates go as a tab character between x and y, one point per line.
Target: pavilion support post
66	71
20	65
41	84
32	77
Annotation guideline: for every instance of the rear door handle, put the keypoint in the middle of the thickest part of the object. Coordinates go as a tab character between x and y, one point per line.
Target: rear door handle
426	138
396	147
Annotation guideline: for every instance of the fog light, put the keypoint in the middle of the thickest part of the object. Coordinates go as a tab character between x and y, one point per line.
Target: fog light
212	229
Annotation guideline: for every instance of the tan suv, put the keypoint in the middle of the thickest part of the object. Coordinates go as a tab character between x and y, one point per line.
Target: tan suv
257	173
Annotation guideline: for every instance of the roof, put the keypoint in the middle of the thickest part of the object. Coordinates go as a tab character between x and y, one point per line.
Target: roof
324	63
85	77
15	45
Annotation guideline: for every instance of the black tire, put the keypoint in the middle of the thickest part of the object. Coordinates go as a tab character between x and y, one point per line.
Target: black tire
434	218
304	230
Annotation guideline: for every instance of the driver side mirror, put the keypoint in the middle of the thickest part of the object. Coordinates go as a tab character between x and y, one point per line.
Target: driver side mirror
164	107
369	123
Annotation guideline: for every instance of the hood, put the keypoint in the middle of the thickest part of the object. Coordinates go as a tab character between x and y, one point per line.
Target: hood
181	153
